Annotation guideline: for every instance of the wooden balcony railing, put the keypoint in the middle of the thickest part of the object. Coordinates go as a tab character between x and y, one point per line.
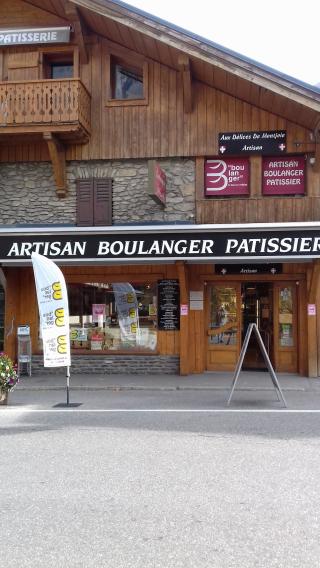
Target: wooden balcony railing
61	106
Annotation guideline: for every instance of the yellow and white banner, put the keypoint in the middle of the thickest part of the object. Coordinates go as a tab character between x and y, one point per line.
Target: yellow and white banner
127	311
54	311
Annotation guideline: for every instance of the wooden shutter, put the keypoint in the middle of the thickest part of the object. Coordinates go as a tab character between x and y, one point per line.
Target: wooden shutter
23	66
102	196
85	202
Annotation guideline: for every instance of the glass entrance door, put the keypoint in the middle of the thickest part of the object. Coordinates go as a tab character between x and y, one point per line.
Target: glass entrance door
223	331
257	307
286	325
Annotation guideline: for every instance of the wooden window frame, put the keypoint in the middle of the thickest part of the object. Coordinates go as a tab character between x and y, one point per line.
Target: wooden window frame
112	102
59	55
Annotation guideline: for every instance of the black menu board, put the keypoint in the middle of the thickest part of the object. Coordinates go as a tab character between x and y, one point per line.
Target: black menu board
168	304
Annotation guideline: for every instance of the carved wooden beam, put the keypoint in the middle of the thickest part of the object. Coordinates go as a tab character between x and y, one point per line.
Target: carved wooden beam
58	158
74	17
186	76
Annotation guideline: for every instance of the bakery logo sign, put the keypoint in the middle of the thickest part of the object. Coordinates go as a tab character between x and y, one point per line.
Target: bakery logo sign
225	177
25	36
267	142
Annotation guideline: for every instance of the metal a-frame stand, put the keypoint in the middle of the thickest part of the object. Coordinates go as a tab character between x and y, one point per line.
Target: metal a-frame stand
253	327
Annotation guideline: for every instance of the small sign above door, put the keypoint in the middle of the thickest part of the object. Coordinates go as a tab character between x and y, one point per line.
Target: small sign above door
266	142
249	269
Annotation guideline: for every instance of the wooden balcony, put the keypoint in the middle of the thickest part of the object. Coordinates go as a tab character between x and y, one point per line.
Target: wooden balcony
60	107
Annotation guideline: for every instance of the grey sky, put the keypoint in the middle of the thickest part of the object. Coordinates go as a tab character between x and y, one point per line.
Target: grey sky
283	34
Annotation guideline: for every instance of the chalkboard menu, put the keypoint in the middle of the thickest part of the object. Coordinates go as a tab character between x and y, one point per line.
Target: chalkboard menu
168	304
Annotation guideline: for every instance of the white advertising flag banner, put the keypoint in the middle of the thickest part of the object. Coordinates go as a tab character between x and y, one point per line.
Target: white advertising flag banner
127	310
54	311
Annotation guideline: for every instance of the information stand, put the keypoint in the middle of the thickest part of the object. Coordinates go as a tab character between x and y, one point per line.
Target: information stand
253	327
24	350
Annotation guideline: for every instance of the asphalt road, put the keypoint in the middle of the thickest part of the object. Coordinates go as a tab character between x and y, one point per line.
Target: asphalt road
149	489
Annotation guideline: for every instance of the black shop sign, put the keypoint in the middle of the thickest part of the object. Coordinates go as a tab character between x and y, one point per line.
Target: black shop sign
209	243
168	305
267	142
248	269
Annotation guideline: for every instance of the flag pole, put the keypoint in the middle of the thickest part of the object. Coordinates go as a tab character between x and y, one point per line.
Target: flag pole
68	385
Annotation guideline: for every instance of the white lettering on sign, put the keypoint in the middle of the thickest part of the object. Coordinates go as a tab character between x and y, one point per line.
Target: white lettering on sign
273	245
41	35
217	169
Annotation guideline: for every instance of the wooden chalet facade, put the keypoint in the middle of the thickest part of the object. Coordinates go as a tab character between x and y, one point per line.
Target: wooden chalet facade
149	161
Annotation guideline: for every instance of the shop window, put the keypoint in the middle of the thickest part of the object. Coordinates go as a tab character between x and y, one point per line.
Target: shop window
286	337
58	66
1	318
61	70
127	82
113	317
94	202
223	316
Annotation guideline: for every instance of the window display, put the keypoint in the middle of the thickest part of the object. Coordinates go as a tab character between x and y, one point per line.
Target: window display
223	316
286	317
113	317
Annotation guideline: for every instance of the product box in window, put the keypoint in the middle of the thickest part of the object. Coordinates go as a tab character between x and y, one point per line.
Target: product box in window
79	338
97	340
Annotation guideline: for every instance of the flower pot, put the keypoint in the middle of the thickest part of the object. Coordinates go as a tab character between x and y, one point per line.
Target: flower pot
3	397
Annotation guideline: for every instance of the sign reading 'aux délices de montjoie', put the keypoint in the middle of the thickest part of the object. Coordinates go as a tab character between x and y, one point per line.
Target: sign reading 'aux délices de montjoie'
210	244
267	142
54	311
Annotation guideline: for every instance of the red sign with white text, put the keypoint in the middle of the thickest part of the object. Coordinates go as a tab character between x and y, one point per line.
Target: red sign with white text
157	182
226	177
160	184
283	176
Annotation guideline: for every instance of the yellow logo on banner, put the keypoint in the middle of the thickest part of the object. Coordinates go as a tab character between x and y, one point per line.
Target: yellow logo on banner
133	328
62	344
73	334
132	313
59	313
57	291
130	298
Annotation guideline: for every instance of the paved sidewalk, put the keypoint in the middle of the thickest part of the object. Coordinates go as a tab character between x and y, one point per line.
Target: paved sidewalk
205	381
207	391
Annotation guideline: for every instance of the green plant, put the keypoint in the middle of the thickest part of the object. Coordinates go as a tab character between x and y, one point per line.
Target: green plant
8	373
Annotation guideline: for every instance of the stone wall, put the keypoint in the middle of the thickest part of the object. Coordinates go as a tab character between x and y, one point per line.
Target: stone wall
27	192
113	365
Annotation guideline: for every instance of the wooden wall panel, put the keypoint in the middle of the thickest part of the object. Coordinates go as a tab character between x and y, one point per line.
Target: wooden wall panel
15	14
162	128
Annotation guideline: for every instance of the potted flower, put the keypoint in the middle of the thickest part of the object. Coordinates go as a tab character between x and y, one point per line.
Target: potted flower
8	377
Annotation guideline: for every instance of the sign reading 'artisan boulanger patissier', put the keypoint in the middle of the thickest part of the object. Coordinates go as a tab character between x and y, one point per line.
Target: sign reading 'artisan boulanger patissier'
25	36
283	175
185	243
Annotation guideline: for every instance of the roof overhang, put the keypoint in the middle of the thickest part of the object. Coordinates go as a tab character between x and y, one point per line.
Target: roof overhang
205	50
